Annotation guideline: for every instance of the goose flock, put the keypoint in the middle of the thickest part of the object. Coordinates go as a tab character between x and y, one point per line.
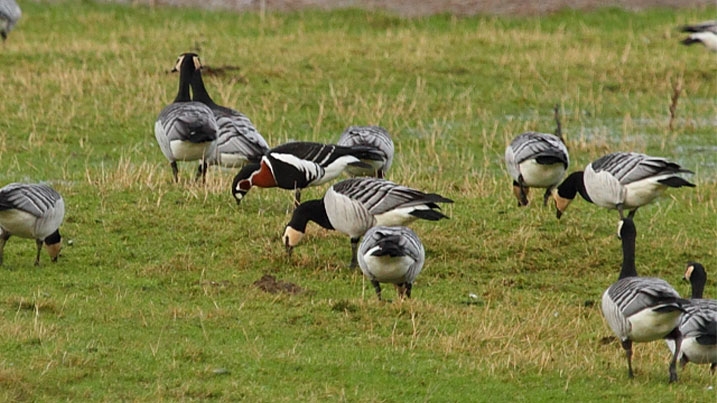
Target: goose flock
367	205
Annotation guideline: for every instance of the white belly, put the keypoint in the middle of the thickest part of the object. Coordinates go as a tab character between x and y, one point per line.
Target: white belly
642	192
232	160
188	151
387	269
19	223
649	325
541	176
695	352
398	217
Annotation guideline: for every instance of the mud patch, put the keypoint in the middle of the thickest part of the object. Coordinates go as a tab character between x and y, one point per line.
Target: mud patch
270	284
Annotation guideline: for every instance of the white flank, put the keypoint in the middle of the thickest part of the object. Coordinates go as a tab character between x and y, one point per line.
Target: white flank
541	176
387	269
399	217
232	160
19	223
188	151
649	325
644	191
695	352
335	169
310	169
347	215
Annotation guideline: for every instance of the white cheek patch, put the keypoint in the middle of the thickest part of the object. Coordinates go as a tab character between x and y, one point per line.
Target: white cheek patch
197	63
179	63
688	272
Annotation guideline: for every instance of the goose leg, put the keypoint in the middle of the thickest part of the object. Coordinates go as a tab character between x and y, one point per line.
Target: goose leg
521	192
297	197
354	253
379	174
713	367
627	346
546	196
631	214
39	249
377	287
408	287
677	336
202	171
175	171
3	238
620	210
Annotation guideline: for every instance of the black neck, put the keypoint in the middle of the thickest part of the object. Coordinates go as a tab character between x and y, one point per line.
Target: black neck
698	278
628	233
53	238
312	210
573	185
200	91
186	71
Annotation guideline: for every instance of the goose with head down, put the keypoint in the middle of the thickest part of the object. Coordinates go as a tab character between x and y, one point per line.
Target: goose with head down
33	211
621	181
371	136
704	33
355	205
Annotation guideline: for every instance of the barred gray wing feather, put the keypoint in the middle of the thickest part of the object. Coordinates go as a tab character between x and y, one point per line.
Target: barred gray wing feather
10	13
372	136
700	319
379	196
634	294
35	199
401	241
532	145
237	135
188	121
632	167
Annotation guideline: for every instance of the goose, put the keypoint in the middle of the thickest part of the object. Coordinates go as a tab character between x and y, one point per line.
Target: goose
704	33
238	141
699	323
33	211
298	165
186	130
371	136
10	14
391	255
354	205
622	181
641	309
536	160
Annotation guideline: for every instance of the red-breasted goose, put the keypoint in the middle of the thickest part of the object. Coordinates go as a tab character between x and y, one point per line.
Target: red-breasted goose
33	211
641	309
536	160
622	181
298	165
704	33
10	14
391	255
355	205
370	136
699	323
186	130
238	141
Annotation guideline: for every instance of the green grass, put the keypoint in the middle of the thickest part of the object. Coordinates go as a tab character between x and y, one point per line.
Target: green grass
153	297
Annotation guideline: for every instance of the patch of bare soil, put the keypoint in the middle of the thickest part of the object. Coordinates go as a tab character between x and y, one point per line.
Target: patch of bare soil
270	284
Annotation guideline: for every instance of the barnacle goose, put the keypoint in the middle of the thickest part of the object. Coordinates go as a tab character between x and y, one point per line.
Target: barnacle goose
186	130
622	181
355	205
704	33
10	13
536	160
371	136
238	141
298	165
32	211
699	323
391	255
641	309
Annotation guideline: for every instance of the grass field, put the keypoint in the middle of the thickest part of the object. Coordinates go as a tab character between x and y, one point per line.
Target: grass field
154	296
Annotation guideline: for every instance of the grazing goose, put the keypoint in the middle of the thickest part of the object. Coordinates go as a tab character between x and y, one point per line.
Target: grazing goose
641	309
699	323
536	160
371	136
186	130
622	181
32	211
238	141
10	13
391	255
704	33
355	205
298	165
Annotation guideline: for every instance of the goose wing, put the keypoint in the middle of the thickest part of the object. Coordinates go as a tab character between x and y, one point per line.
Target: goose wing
10	12
700	321
379	195
372	136
35	199
237	135
632	167
395	242
545	148
634	294
188	121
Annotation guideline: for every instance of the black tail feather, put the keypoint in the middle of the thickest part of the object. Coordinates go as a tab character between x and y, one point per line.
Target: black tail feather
676	182
430	215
